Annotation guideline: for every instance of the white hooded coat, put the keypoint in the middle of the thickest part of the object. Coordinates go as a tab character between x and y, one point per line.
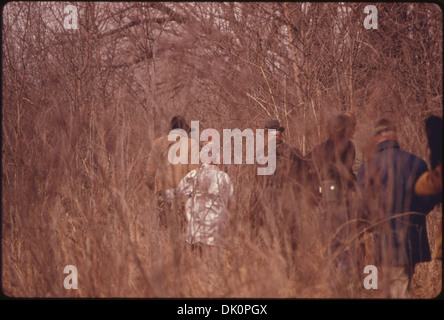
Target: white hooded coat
208	190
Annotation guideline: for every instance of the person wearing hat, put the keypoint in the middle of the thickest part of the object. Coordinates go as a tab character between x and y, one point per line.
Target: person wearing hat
273	201
163	177
283	150
289	159
273	124
394	213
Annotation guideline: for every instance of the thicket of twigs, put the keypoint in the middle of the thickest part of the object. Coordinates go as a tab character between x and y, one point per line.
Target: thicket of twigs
80	109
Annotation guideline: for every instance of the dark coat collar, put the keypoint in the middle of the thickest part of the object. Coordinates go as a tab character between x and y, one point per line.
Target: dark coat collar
387	144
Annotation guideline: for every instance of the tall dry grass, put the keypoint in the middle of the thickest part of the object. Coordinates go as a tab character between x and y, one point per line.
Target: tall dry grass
73	193
77	127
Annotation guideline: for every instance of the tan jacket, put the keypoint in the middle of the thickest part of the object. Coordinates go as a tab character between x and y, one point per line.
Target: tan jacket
430	183
161	174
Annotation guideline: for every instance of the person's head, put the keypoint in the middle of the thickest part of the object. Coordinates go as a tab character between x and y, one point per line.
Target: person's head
178	122
385	130
273	124
341	126
433	127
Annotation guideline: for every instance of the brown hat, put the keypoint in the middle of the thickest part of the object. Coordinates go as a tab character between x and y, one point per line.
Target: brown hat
273	124
384	125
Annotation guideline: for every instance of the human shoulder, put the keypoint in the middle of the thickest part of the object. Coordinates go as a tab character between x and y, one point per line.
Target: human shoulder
160	140
296	152
156	147
193	173
188	178
224	175
285	150
224	182
415	160
413	164
317	150
324	147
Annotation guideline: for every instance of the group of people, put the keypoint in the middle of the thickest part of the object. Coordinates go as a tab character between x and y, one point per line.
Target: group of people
389	196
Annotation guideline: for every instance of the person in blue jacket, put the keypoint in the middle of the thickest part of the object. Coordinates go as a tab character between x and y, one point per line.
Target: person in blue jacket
394	213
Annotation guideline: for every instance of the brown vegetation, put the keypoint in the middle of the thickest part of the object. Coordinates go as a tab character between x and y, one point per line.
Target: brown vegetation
80	109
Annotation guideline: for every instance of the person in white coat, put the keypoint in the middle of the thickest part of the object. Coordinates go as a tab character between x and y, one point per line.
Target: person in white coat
208	191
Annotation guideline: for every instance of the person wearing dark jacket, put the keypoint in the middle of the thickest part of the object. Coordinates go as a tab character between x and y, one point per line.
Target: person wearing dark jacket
273	204
334	157
333	160
396	215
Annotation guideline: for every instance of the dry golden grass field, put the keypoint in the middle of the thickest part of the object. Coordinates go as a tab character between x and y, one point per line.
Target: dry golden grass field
81	108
